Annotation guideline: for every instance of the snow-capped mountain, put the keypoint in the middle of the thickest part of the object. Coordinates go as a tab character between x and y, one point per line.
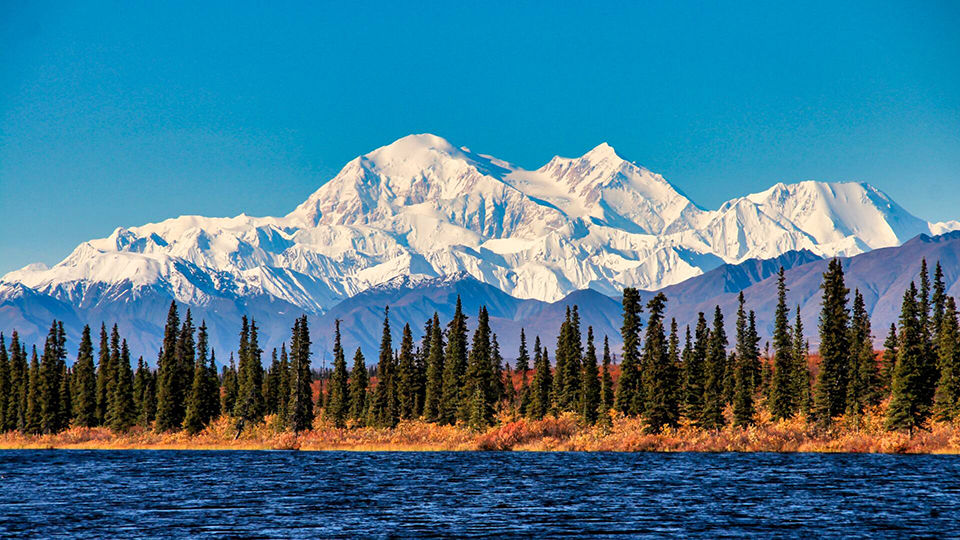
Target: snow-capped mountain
424	207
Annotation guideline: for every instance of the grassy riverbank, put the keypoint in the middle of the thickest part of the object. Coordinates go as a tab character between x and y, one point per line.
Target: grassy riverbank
550	434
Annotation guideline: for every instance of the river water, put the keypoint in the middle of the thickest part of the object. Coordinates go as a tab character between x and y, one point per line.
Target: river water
341	494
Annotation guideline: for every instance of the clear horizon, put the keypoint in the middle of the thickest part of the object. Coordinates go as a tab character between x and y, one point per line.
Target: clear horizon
124	115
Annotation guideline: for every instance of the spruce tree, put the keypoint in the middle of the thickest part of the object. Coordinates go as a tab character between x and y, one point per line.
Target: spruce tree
523	368
204	391
606	380
121	414
938	301
569	398
434	387
454	366
85	383
558	391
478	380
105	375
694	370
141	381
660	377
745	376
5	388
338	402
228	380
541	386
830	395
18	374
301	393
590	390
800	354
715	367
66	397
889	359
406	377
383	403
170	396
864	381
33	414
283	389
497	384
784	395
249	375
271	383
907	409
947	397
51	370
358	388
629	398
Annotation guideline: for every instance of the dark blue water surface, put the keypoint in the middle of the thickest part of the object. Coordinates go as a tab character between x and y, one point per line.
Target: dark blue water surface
333	494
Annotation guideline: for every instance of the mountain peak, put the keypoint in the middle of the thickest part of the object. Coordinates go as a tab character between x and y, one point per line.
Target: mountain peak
602	151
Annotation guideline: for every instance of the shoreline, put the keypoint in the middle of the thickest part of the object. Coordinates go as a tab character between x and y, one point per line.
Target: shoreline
548	435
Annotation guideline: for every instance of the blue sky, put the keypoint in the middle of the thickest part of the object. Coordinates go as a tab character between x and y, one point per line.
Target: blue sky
123	113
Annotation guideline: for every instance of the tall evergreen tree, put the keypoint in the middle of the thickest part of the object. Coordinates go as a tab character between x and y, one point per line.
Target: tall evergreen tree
629	398
301	393
249	375
659	377
938	301
694	371
715	367
863	387
141	384
33	414
271	384
784	391
283	389
929	369
203	401
523	368
85	383
15	411
800	355
479	377
454	366
907	409
572	363
590	405
358	387
52	418
434	388
947	397
105	375
383	403
408	392
338	403
228	379
121	414
606	381
747	368
170	393
5	387
889	360
830	396
541	386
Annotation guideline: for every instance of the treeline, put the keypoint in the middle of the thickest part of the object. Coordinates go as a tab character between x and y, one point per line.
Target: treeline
664	375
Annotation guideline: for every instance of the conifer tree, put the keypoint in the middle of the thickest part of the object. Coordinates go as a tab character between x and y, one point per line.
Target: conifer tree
338	402
105	375
141	383
569	398
659	376
383	403
830	396
478	380
497	384
590	391
694	371
715	368
558	391
249	375
454	366
5	388
929	370
509	390
889	359
203	401
121	414
541	386
784	395
170	394
745	375
523	368
907	409
15	411
864	381
434	390
800	355
947	397
271	385
33	415
938	302
228	399
52	418
283	388
358	387
606	381
629	398
85	383
66	398
301	393
406	377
